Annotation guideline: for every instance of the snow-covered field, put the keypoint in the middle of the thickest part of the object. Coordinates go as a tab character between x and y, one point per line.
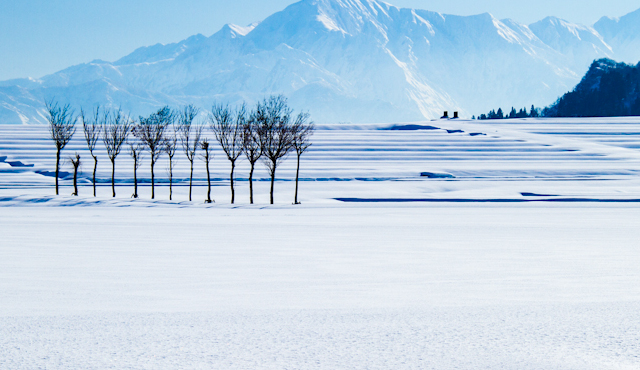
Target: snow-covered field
527	259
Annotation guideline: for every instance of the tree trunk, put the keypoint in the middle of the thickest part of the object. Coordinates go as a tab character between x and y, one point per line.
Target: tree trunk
273	178
251	183
295	200
135	178
113	176
57	169
153	194
95	167
75	181
208	183
233	166
190	180
170	178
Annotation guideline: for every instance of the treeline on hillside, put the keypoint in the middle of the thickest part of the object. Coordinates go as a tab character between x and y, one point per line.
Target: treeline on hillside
608	89
522	113
268	132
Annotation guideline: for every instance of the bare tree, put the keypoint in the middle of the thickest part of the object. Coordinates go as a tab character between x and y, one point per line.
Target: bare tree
252	145
61	128
92	127
207	156
135	150
189	136
170	148
151	132
115	131
276	132
76	163
302	131
227	126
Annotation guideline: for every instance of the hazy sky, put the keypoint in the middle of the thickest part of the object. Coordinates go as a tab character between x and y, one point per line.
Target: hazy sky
38	37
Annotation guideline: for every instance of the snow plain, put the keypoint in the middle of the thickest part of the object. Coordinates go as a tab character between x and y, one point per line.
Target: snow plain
527	259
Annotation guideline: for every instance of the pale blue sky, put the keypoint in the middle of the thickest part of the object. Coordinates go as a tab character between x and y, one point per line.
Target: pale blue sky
38	37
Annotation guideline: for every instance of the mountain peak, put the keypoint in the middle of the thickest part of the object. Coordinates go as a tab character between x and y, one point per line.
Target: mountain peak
348	16
239	30
622	34
567	38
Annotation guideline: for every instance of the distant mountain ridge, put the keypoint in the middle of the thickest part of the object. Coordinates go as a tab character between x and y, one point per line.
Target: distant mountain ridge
344	60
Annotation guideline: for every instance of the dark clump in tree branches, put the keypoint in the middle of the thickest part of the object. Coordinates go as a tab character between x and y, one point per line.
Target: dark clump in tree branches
115	132
302	131
151	132
189	133
62	126
227	126
92	127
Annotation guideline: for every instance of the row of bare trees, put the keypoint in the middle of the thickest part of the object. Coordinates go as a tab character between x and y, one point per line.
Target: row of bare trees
269	132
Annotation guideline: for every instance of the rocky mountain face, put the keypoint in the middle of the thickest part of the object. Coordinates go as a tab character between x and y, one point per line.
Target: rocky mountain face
343	60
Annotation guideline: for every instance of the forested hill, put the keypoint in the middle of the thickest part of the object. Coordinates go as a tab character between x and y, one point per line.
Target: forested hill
608	89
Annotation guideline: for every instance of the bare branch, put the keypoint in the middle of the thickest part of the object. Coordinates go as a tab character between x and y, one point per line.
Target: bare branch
227	127
151	132
61	128
91	128
189	133
170	148
61	123
136	150
302	130
115	128
274	117
277	136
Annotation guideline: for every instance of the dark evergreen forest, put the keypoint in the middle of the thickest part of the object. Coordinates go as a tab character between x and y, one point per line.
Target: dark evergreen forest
608	89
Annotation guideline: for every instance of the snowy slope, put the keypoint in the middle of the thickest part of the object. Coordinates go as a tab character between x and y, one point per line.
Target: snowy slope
343	60
623	34
595	159
574	41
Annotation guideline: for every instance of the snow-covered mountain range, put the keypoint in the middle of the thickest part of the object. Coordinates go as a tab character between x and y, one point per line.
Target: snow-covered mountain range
345	60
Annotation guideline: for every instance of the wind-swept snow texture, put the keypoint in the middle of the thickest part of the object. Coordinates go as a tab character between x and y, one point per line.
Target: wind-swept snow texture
101	283
344	61
502	159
